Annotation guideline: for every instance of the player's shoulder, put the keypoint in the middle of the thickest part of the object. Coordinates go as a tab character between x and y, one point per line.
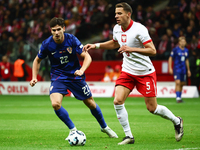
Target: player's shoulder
47	41
138	25
117	28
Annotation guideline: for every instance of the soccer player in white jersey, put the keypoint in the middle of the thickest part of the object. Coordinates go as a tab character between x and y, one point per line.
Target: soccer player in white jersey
135	44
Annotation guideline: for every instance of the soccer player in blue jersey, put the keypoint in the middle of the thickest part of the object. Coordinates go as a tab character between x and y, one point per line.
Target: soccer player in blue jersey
67	73
181	66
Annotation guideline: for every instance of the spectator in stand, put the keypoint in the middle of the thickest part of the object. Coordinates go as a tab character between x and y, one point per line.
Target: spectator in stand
105	32
140	14
116	74
183	6
164	48
20	69
5	69
176	30
150	14
108	74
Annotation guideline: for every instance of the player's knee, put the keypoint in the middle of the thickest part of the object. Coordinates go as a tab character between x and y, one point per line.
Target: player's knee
117	102
56	105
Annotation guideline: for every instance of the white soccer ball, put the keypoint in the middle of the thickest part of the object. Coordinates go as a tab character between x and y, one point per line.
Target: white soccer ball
77	138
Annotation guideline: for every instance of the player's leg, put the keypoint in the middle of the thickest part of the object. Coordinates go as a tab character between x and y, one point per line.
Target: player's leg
147	87
96	112
182	83
121	93
61	112
154	108
56	100
82	92
178	90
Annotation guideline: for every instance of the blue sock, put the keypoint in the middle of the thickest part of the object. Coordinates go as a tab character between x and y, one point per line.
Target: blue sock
64	116
178	94
99	116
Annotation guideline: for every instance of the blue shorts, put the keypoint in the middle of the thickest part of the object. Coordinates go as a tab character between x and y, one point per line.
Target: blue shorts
180	76
80	89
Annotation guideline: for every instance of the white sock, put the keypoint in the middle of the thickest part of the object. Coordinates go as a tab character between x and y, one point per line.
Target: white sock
122	116
167	114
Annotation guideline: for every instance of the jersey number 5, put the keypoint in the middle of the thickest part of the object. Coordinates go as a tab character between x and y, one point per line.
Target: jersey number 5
148	86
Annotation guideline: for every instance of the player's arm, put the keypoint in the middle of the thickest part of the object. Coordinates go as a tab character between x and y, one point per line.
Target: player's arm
170	65
86	63
188	67
105	45
148	50
35	70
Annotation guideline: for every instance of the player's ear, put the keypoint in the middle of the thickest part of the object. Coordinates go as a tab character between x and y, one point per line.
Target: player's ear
64	28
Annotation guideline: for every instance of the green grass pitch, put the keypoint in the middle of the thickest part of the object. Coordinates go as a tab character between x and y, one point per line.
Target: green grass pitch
29	123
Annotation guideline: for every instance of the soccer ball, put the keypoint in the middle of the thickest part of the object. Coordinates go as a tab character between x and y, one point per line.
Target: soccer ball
77	138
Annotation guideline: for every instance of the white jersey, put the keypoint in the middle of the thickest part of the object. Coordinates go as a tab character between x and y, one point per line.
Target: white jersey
137	36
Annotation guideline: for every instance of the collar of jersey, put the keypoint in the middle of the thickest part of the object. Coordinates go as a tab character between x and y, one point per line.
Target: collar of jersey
129	26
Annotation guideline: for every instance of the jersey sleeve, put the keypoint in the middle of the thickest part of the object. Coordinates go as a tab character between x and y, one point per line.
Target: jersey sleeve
187	53
144	35
114	35
42	53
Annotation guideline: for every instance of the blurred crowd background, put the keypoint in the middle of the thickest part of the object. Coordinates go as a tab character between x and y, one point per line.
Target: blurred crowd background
24	24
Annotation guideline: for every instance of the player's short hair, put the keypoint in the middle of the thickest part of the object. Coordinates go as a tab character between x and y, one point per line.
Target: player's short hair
181	38
125	6
57	21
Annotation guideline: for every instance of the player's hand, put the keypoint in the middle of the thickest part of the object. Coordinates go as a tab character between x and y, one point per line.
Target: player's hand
87	47
78	73
33	82
125	48
170	71
189	73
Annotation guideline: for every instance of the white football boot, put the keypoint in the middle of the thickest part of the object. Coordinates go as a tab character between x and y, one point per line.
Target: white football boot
179	130
109	132
74	129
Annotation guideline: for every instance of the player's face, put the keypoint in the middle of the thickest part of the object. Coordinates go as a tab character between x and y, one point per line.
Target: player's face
121	16
57	33
182	43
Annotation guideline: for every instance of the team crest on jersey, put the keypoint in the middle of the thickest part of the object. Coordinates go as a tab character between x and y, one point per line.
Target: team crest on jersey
186	54
69	49
123	38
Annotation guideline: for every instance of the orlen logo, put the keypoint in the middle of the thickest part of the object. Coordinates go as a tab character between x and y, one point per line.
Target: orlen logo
1	87
17	89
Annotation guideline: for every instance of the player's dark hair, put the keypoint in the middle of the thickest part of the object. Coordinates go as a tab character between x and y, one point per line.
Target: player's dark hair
125	6
57	21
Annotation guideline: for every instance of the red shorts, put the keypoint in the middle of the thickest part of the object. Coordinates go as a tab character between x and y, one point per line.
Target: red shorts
145	84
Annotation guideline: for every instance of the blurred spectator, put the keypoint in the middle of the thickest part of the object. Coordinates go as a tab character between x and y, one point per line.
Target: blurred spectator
150	14
164	48
154	36
5	69
71	26
105	32
108	74
20	69
140	14
117	72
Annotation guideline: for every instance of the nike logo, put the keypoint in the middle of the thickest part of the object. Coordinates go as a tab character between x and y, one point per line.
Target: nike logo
148	92
53	53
